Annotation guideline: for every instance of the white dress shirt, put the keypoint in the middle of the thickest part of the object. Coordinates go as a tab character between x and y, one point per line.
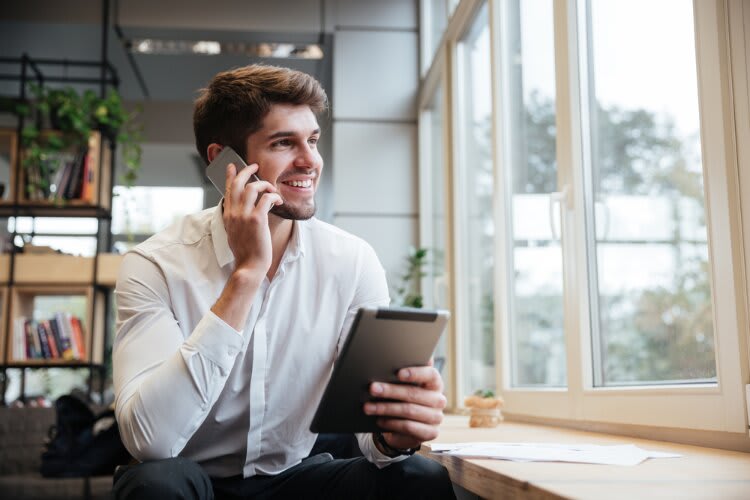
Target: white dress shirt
188	384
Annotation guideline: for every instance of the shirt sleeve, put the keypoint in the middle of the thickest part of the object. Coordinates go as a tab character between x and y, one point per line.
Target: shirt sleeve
165	381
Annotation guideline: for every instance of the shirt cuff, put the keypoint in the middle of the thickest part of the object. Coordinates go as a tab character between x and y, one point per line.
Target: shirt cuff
374	455
216	340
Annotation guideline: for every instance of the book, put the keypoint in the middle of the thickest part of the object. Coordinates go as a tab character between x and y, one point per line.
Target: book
30	349
43	340
78	335
20	346
31	333
73	188
54	350
62	322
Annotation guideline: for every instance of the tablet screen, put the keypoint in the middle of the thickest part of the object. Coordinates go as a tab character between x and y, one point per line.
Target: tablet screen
380	343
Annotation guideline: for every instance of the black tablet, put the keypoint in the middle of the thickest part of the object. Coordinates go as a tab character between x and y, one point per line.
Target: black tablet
380	343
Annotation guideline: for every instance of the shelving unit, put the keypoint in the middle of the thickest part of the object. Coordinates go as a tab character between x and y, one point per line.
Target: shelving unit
26	278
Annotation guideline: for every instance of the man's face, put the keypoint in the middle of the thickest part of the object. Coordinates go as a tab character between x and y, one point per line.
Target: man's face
286	151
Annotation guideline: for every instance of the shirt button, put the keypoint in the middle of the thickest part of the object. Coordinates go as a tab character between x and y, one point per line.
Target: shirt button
231	351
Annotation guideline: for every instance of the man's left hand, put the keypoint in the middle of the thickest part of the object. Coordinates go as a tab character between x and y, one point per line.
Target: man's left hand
417	411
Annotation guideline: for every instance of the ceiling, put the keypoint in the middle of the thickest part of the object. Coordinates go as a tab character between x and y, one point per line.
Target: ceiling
72	30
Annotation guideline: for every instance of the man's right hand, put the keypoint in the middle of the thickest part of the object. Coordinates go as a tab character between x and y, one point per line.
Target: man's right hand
246	206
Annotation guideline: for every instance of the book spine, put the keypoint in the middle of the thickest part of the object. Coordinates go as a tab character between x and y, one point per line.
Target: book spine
74	183
54	351
30	351
58	336
21	348
31	333
87	180
78	333
43	341
66	341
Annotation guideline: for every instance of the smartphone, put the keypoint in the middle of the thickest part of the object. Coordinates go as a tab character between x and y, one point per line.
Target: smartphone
217	169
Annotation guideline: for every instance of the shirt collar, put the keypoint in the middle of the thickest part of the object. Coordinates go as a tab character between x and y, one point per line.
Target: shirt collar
224	255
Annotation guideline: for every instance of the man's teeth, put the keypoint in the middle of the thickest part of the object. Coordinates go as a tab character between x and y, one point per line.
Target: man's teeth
304	184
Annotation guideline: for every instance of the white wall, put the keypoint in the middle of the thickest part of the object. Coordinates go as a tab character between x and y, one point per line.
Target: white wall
375	81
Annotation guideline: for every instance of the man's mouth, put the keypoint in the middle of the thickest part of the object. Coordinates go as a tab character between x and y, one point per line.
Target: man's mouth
307	183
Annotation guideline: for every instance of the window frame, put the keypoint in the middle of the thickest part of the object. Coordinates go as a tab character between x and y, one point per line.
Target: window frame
708	407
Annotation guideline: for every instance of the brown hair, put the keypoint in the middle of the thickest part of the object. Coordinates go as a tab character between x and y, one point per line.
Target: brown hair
236	101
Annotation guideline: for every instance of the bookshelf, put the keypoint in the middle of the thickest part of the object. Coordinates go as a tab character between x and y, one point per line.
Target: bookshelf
42	293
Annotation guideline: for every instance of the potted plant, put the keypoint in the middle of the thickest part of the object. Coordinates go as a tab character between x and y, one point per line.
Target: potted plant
407	291
72	117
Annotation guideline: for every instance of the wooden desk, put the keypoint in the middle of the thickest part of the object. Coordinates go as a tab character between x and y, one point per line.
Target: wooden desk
704	473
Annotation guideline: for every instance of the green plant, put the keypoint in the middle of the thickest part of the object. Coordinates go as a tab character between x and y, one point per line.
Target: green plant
486	393
407	292
74	116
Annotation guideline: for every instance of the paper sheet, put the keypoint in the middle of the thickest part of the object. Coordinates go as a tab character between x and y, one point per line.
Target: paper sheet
627	454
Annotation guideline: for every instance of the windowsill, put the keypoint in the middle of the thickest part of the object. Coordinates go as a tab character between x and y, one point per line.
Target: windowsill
699	473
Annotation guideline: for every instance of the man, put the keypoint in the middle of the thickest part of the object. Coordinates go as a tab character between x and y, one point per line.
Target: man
230	320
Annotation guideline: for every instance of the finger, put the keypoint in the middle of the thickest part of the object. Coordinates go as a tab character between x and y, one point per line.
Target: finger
408	394
267	201
231	174
409	428
239	182
409	411
426	376
252	192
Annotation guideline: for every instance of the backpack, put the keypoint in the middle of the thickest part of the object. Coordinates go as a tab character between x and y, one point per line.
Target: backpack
81	443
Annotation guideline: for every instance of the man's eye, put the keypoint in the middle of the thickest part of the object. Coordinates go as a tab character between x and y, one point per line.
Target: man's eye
281	143
313	140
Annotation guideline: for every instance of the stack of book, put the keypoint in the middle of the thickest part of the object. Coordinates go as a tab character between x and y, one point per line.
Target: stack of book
63	176
60	337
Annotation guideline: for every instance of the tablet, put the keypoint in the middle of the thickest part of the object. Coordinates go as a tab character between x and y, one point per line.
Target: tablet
381	342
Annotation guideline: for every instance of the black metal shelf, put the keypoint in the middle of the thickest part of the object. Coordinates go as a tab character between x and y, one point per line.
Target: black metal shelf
102	75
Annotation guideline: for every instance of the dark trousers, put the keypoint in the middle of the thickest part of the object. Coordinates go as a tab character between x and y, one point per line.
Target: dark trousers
318	476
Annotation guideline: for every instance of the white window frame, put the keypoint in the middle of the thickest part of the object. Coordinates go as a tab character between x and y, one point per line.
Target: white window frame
721	71
714	407
437	77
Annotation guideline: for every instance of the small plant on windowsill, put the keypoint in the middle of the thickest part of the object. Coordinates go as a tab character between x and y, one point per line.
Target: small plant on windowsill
72	117
407	291
484	408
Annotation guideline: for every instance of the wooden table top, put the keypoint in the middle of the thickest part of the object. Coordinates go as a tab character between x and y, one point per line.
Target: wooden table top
700	472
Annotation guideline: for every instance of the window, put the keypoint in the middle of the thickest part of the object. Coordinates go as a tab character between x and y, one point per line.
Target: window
646	245
70	235
534	268
436	283
612	252
140	211
434	19
474	200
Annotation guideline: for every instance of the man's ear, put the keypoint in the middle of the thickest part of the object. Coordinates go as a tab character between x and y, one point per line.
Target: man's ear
213	151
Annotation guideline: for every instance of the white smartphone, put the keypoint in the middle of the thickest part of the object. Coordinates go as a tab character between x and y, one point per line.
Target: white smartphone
216	171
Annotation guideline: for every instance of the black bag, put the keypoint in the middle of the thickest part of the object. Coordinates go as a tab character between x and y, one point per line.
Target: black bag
75	449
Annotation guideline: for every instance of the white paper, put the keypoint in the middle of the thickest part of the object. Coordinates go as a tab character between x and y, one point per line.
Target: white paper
627	454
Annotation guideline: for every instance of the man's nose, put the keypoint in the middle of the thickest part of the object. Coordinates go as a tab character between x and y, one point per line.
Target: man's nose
307	157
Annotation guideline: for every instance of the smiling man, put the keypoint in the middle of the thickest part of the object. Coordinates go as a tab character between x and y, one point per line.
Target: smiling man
229	323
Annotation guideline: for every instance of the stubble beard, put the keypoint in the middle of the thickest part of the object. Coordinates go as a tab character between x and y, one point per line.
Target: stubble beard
290	212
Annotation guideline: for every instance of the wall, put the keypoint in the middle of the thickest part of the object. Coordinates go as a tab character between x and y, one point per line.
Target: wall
375	81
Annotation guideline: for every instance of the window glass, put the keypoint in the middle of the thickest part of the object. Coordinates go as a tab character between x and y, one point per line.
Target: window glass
477	335
144	210
437	293
646	219
436	22
535	258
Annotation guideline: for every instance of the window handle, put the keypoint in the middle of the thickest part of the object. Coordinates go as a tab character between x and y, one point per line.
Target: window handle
563	198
